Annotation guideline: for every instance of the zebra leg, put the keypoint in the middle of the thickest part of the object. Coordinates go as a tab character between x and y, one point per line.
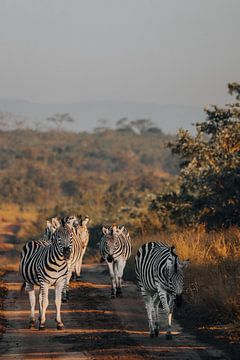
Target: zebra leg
78	268
166	308
44	304
113	278
156	302
32	300
40	304
65	290
171	307
120	265
150	309
58	300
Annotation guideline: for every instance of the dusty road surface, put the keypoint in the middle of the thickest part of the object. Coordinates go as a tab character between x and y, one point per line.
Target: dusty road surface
96	326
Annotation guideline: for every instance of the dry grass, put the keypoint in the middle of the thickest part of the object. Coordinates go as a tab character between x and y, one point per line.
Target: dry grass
212	280
15	223
9	264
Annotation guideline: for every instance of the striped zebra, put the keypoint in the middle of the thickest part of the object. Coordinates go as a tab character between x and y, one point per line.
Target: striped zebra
80	241
44	264
115	249
83	237
160	279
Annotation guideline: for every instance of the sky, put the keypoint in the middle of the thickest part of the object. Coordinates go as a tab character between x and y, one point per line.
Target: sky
147	51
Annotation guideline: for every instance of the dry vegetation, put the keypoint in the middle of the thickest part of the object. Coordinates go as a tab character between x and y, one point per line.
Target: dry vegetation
15	224
212	287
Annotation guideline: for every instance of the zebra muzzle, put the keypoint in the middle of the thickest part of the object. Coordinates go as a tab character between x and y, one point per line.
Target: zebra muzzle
178	300
66	253
110	258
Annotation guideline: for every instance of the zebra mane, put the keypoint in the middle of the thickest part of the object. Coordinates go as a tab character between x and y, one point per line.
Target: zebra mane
175	258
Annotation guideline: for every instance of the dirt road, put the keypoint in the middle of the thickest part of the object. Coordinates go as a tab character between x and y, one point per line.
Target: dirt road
96	326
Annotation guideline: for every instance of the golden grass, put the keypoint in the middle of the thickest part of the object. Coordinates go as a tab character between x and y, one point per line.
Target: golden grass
12	213
9	264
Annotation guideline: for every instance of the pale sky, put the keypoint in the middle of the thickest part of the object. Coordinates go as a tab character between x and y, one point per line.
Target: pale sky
164	51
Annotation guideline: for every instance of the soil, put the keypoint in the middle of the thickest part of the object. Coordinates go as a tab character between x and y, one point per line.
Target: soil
96	326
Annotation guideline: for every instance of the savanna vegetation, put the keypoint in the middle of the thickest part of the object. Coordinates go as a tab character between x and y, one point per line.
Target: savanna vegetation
181	189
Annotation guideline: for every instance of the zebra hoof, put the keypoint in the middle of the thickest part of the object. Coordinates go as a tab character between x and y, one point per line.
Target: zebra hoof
156	332
41	327
31	325
119	292
152	335
60	327
78	278
64	300
113	296
169	336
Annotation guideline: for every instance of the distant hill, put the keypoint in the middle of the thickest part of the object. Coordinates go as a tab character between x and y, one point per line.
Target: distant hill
86	114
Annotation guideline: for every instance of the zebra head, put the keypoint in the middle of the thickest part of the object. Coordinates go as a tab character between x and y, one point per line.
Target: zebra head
111	237
176	275
81	230
63	237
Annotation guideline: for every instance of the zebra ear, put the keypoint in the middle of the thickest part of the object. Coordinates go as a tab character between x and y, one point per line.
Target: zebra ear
105	230
64	220
55	222
86	220
49	225
121	230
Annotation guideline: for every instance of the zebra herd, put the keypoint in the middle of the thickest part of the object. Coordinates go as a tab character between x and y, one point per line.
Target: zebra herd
57	256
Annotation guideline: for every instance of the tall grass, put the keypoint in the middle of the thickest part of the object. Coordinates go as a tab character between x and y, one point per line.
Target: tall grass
212	280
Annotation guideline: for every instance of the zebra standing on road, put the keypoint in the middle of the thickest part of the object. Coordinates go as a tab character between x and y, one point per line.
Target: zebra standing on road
82	235
44	265
160	279
80	241
115	249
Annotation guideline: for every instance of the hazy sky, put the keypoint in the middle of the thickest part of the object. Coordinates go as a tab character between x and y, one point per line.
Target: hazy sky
164	51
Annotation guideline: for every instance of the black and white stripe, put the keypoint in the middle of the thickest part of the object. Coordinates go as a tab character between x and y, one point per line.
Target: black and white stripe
44	264
115	249
160	278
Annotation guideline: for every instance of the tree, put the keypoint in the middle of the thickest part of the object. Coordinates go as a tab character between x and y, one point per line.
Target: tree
123	124
141	126
60	119
209	180
104	124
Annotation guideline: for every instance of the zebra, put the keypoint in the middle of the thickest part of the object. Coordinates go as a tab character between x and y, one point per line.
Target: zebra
43	264
83	238
51	227
80	241
115	249
160	279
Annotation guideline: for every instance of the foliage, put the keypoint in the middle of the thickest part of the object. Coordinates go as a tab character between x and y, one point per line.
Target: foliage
209	181
60	119
99	174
